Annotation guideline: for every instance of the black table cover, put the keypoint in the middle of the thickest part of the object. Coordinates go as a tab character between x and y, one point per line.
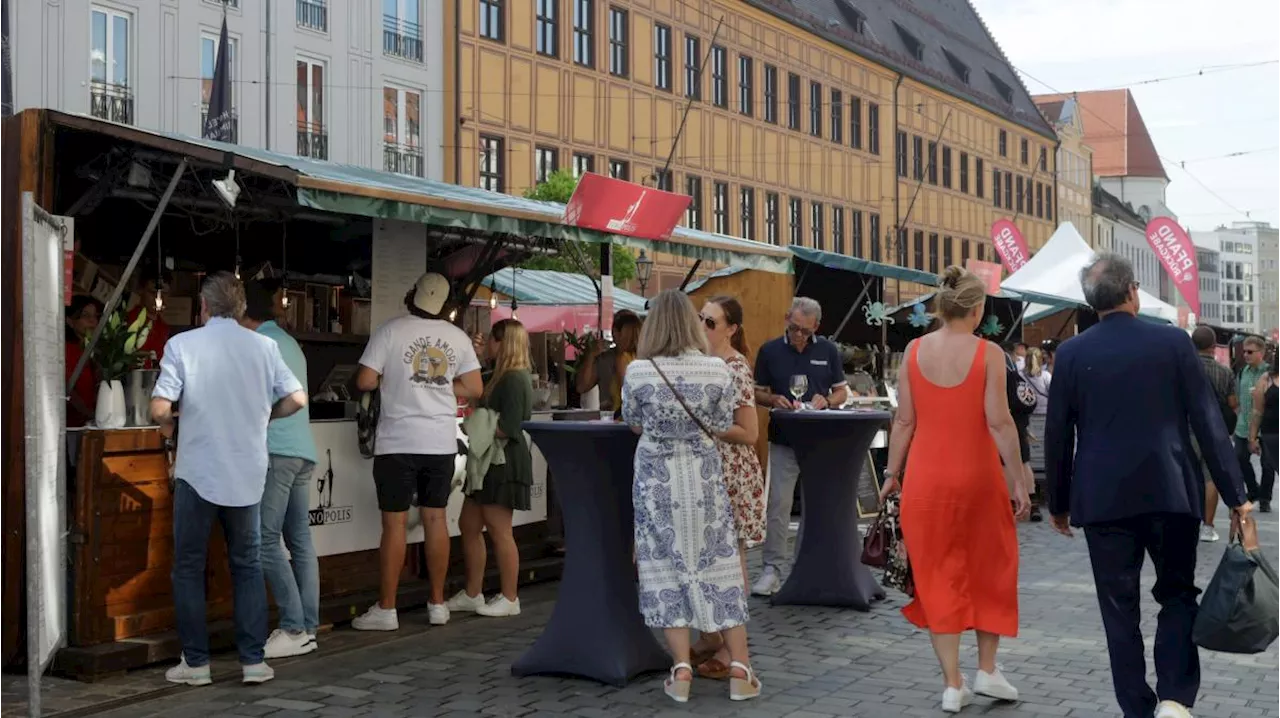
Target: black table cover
830	447
595	630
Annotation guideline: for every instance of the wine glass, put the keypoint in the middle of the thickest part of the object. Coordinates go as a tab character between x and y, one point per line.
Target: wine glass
799	385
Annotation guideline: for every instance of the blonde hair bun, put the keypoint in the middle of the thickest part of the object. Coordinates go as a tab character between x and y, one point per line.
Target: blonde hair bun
952	275
961	292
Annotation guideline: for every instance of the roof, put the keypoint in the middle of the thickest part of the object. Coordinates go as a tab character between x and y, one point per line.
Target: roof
1113	127
1114	208
545	287
1052	111
931	41
864	266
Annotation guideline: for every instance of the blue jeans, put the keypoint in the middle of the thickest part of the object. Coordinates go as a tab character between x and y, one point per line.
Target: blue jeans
284	514
193	519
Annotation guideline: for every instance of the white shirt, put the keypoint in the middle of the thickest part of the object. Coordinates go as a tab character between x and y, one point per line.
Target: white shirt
227	378
418	359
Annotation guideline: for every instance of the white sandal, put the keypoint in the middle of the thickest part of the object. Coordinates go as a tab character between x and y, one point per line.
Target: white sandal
676	689
743	689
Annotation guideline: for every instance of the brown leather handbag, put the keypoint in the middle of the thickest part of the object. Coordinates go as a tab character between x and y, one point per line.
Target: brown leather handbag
878	542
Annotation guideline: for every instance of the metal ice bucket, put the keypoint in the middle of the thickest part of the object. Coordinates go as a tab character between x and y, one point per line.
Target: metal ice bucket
137	396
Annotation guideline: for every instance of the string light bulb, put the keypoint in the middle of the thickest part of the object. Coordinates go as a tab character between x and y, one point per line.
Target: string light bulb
159	299
453	314
493	300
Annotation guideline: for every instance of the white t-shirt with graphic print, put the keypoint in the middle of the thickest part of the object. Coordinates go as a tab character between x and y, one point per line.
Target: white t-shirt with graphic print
418	360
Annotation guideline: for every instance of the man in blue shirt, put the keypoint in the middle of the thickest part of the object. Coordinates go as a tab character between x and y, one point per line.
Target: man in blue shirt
799	351
231	383
292	459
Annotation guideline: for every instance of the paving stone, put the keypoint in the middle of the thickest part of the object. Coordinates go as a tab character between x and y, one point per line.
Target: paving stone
290	704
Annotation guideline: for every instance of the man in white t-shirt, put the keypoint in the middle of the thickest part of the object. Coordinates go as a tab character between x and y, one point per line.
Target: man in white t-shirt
422	365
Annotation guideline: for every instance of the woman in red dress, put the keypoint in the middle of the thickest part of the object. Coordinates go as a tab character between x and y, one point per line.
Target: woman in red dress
953	415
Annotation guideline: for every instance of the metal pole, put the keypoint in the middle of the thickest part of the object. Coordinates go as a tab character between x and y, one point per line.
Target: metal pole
866	287
689	275
675	141
128	271
267	110
1017	321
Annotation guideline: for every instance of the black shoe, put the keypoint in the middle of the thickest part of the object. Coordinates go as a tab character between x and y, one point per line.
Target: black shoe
1035	515
1265	507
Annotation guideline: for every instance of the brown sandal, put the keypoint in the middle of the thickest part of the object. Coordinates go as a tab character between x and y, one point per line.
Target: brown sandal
712	668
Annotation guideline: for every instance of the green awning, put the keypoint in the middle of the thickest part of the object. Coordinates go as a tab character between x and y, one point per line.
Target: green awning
562	289
924	298
864	266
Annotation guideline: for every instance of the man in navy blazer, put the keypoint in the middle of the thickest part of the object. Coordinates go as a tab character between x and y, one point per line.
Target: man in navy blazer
1125	398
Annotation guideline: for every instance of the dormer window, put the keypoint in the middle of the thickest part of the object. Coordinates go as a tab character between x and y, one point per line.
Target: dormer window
1002	87
961	69
852	15
914	46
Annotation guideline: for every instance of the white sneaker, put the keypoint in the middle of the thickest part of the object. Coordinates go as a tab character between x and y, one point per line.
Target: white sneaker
259	673
994	685
500	607
768	583
437	614
462	603
283	644
188	676
1208	533
953	699
377	619
1172	709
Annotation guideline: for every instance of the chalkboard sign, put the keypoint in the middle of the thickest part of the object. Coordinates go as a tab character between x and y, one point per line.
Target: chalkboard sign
868	489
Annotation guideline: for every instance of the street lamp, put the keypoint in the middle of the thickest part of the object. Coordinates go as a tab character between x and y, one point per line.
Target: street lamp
644	269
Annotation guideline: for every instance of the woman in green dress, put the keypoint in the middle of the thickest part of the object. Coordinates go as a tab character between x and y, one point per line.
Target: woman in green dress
507	486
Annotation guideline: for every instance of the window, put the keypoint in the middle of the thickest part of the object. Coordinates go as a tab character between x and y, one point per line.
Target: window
110	61
1030	195
1044	160
584	32
545	161
401	29
815	109
1020	195
663	179
491	163
662	57
982	250
947	256
914	47
933	253
620	169
617	42
815	225
837	229
978	177
747	198
917	157
855	123
902	153
793	101
720	207
402	131
796	221
918	248
964	172
312	14
933	163
837	116
313	141
873	235
771	218
855	220
957	66
746	86
719	76
208	61
1040	200
692	67
491	19
964	252
1004	143
548	28
873	128
1008	190
1048	202
693	215
995	184
583	164
1022	151
771	94
946	167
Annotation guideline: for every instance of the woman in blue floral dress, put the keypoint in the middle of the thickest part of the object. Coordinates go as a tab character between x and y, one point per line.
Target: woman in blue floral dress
679	400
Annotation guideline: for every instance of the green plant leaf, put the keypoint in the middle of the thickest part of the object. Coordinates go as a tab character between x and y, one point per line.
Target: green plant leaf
137	323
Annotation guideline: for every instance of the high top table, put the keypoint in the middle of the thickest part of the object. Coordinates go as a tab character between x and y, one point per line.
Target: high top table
596	630
830	447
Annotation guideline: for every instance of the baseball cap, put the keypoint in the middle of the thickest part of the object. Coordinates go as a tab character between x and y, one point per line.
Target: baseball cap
431	293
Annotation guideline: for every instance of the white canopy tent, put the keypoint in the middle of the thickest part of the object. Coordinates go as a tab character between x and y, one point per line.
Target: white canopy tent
1052	277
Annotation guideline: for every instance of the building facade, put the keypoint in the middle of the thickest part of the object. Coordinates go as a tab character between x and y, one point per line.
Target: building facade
1208	263
1075	165
1269	281
895	132
1245	249
355	81
1122	230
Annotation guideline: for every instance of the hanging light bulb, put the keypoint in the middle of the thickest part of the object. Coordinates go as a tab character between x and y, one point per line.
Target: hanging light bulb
159	299
284	301
453	314
515	310
493	300
237	266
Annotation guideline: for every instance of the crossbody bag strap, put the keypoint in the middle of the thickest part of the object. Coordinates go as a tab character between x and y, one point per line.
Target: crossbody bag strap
683	403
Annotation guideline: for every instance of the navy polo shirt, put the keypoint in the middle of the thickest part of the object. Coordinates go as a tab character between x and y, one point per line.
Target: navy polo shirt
777	361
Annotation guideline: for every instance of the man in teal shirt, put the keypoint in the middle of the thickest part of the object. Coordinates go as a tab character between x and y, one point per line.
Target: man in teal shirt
1254	367
284	511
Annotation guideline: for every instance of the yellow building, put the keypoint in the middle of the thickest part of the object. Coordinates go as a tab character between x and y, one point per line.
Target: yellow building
1075	163
827	131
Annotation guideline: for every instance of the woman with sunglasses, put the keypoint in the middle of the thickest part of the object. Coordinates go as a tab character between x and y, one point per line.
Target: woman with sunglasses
722	321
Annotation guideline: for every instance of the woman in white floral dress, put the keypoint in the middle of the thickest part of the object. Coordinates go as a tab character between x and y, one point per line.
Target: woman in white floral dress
679	400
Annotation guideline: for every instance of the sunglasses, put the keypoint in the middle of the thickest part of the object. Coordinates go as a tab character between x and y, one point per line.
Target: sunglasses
801	331
710	322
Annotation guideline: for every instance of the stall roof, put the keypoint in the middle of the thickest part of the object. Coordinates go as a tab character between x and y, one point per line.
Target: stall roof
924	298
548	288
722	272
864	266
347	189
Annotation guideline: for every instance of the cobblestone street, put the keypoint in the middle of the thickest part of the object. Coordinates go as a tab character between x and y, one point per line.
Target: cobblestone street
814	662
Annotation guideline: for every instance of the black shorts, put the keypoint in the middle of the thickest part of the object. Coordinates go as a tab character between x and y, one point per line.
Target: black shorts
1023	444
398	476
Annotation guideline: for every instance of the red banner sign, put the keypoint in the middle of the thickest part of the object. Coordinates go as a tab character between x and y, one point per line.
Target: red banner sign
988	272
1178	255
1010	245
612	205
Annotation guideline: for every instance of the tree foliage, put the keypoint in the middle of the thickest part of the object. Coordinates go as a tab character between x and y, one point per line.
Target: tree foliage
559	187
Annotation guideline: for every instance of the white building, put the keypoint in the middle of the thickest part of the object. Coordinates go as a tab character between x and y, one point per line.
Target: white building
352	81
1208	263
1118	228
1248	268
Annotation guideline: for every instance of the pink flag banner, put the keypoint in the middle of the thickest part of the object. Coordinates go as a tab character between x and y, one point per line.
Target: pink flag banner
1178	255
1010	245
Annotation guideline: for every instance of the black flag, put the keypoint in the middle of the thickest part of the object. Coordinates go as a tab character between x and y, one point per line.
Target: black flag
219	123
5	63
